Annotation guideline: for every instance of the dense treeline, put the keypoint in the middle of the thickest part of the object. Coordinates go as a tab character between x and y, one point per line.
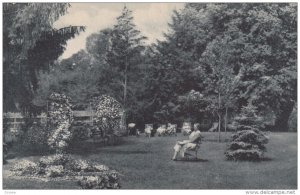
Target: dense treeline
215	59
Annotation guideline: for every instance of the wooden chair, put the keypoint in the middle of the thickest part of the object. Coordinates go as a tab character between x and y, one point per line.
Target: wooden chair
194	150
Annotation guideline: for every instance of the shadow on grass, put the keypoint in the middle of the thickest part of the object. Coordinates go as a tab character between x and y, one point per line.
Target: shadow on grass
266	159
192	160
125	152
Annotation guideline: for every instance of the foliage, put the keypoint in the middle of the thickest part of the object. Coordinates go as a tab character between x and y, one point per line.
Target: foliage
108	114
125	55
248	142
60	165
77	77
82	131
31	44
36	135
105	180
25	167
293	120
60	119
239	52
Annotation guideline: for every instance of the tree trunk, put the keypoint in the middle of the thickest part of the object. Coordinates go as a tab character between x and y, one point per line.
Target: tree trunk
125	94
219	115
282	118
226	111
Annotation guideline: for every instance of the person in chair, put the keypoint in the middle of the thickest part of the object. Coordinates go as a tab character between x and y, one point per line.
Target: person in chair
191	143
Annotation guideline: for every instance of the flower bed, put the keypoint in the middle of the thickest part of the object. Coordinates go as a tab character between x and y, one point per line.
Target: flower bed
87	174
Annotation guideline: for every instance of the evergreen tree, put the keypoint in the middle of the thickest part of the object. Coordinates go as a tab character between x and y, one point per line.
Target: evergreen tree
125	52
248	143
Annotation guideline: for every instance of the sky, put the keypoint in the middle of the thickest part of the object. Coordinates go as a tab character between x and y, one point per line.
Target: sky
150	18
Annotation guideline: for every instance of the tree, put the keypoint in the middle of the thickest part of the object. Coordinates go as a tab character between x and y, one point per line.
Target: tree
219	76
77	77
125	51
249	142
31	45
262	49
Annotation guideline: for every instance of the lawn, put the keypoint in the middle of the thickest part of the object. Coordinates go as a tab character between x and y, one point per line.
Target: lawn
146	164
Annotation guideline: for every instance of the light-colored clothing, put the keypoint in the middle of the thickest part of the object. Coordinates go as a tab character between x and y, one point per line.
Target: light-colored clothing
191	143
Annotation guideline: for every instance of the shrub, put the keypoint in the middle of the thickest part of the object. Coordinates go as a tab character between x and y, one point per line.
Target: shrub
103	180
57	159
248	142
36	135
108	114
81	131
60	119
77	165
54	171
25	167
241	154
94	176
61	136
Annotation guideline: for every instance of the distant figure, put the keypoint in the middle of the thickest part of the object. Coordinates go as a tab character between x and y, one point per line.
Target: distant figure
214	127
148	130
131	128
186	128
191	143
161	130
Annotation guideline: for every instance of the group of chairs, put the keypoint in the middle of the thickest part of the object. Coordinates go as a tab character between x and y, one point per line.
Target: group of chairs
168	130
162	130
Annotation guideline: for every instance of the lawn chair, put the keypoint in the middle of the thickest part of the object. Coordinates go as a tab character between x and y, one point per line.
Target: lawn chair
186	128
161	130
171	130
193	152
148	130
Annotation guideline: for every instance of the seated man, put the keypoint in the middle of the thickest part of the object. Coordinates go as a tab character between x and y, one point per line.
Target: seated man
191	143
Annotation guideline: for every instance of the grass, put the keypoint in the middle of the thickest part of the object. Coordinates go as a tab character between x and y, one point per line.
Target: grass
146	164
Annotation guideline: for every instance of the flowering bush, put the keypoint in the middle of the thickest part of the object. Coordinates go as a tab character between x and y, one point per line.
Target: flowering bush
60	119
94	176
60	108
103	180
54	171
78	165
25	167
60	137
56	159
108	114
106	107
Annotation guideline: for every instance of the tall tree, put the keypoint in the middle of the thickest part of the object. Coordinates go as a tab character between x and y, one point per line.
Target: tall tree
30	45
262	40
125	51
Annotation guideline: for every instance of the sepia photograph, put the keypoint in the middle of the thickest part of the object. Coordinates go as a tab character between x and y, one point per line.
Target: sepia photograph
150	96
